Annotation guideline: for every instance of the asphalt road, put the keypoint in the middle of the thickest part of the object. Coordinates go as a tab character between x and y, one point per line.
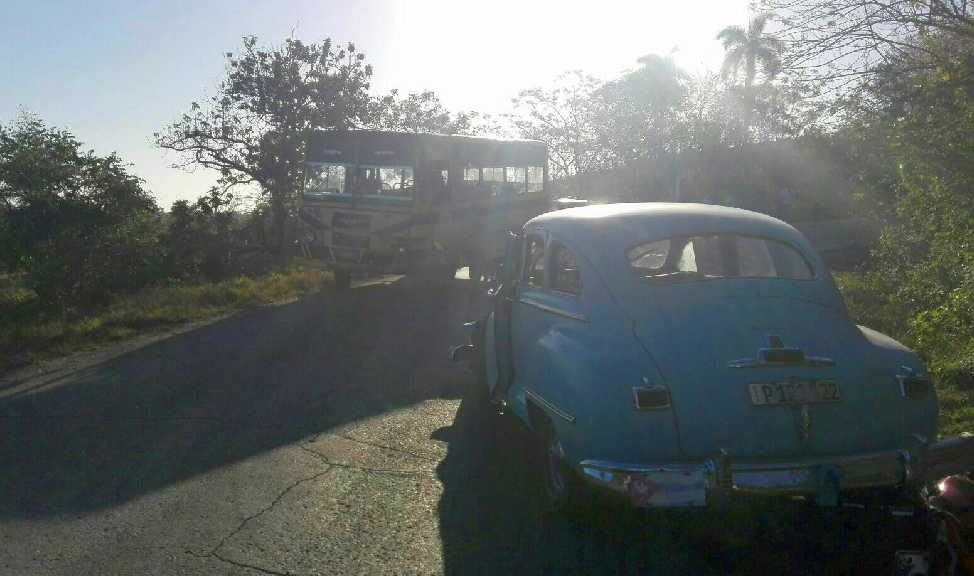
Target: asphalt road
331	436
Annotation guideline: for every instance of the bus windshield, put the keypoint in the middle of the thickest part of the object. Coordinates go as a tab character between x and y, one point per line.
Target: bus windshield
385	181
322	179
428	169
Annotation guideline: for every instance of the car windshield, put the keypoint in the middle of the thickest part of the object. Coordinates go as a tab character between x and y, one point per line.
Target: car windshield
717	256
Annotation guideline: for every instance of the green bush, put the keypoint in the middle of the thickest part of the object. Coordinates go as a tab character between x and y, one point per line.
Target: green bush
203	237
78	223
946	335
83	267
917	132
867	298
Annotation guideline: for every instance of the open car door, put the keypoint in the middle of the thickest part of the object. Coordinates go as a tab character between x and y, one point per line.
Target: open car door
499	357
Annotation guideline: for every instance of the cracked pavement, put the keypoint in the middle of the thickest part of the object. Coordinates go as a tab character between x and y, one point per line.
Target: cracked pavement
326	436
295	439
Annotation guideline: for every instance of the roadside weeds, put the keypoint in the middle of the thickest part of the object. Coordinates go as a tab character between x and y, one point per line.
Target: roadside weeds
29	334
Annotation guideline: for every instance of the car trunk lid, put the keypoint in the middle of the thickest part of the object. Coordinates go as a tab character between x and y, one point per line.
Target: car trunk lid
713	339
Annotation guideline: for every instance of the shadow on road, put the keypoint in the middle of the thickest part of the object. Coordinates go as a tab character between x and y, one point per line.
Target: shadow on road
270	377
490	522
210	397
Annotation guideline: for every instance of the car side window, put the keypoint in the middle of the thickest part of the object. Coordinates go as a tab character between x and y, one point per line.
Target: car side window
534	262
565	275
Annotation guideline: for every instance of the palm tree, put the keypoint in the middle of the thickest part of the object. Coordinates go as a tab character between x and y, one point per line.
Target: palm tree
750	48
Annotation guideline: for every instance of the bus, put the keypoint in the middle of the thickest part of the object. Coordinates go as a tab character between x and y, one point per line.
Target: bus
391	202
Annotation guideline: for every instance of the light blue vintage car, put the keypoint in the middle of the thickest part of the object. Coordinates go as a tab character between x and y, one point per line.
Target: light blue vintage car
677	354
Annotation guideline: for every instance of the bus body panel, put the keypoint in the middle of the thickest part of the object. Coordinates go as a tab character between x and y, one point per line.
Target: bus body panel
392	202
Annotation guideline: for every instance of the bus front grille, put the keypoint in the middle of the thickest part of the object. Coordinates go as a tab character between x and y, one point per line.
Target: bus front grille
350	240
351	221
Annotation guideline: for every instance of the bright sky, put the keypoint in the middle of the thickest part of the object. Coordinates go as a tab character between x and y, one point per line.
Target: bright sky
114	72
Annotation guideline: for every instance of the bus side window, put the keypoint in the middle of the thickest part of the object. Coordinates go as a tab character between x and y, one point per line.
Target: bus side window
535	178
441	188
493	179
467	190
367	183
515	179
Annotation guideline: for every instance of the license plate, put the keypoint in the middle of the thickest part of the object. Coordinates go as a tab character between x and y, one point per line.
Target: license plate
794	392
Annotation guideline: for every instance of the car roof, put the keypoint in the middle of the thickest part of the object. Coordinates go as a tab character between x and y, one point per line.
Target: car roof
609	226
603	233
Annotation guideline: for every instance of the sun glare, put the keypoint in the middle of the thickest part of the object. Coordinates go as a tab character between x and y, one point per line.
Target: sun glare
479	55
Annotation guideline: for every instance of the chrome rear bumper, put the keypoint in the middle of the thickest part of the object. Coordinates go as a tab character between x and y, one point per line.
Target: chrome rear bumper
700	483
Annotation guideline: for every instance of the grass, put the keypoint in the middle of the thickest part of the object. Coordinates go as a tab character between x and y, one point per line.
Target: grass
27	333
951	371
956	410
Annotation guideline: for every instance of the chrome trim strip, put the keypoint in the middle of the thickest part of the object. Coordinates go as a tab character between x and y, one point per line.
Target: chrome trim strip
676	468
672	485
889	468
949	456
553	310
905	466
841	460
813	361
549	406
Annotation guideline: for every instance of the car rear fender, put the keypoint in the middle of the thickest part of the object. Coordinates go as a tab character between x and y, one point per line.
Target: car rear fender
591	372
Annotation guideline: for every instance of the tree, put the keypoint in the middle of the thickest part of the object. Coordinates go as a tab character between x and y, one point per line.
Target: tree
79	223
749	49
201	237
424	113
566	118
591	125
252	131
711	118
910	134
639	113
841	43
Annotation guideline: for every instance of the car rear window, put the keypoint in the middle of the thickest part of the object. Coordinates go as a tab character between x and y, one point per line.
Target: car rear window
718	256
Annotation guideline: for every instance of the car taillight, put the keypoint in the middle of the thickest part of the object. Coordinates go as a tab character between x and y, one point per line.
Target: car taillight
957	492
956	495
650	397
912	386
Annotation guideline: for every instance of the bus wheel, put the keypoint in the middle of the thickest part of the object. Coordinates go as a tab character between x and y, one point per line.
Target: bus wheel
343	279
475	271
449	272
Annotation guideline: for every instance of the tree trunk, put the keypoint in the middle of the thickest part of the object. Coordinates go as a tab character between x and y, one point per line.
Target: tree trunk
279	220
